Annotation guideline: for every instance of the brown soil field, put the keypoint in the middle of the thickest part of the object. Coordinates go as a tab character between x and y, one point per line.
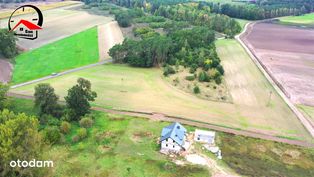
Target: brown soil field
5	70
287	53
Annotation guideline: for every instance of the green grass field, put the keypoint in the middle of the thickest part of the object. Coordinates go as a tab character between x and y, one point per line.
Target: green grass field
307	20
128	88
308	111
74	51
242	22
129	148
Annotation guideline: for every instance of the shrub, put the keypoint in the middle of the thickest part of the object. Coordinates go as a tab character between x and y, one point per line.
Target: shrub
82	133
52	135
196	90
86	122
65	127
218	80
46	119
190	78
203	77
75	138
168	70
193	68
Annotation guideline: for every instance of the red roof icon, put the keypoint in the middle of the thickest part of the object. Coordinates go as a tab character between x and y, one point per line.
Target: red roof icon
29	25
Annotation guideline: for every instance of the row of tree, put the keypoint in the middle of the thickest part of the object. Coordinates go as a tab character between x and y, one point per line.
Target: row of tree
77	100
262	9
201	16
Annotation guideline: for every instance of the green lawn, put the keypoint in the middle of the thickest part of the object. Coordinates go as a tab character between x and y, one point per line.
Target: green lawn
71	52
307	19
128	147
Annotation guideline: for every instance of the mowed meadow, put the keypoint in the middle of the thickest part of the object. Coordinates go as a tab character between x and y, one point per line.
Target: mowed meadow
68	53
306	20
106	151
129	88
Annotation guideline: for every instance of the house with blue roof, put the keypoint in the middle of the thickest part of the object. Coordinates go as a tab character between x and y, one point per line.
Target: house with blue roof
173	138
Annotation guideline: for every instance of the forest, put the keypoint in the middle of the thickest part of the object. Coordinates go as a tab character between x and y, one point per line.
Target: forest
262	9
188	41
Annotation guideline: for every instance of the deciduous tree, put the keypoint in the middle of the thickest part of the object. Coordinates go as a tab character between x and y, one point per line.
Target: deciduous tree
78	99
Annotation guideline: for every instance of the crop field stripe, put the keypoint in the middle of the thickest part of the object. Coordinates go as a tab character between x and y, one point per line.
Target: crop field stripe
71	52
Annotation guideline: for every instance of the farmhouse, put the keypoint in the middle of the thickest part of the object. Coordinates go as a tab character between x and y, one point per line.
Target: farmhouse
173	138
204	136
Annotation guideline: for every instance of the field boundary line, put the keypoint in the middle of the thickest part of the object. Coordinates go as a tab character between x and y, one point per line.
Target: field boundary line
305	122
61	73
164	117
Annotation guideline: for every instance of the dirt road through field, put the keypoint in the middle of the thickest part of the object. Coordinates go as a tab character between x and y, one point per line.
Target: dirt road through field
164	117
108	35
5	70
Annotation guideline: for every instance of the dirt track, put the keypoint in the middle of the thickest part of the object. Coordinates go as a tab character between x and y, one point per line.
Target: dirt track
5	71
108	35
163	117
288	54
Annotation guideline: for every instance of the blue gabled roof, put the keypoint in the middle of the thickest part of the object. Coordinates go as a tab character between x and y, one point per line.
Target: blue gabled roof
174	131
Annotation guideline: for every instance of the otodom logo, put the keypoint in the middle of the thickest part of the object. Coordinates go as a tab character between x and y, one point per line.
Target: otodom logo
26	26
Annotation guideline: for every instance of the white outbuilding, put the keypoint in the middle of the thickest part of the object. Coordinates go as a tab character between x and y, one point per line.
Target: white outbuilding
204	136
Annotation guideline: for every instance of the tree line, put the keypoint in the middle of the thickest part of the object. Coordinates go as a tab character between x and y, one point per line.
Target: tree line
26	137
262	9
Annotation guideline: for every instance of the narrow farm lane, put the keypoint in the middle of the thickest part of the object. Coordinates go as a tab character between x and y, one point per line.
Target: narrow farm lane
306	123
163	117
5	71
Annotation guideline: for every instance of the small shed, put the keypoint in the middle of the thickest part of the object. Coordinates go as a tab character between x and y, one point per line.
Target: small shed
204	136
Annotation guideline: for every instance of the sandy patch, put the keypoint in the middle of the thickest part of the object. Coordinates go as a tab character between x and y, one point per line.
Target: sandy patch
196	159
108	35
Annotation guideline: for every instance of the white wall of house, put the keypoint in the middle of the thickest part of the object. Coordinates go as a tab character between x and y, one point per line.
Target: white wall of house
169	144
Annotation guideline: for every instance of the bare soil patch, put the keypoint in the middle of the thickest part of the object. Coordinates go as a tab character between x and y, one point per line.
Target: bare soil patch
109	35
5	70
288	55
